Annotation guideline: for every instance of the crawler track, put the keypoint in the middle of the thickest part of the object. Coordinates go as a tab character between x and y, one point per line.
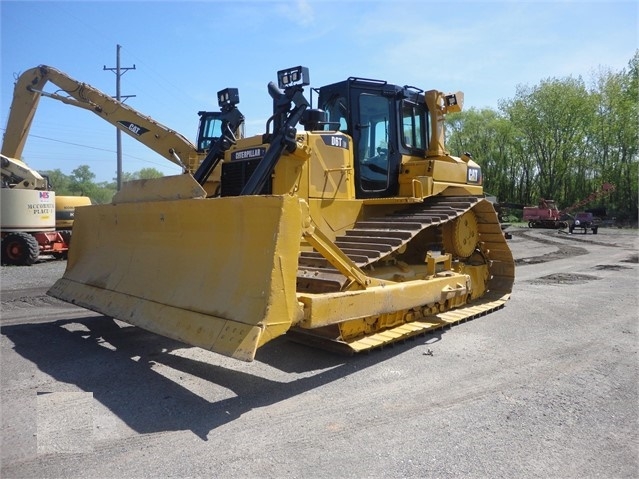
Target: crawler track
373	239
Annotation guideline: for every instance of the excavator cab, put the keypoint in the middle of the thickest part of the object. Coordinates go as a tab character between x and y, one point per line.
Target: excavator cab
211	125
209	129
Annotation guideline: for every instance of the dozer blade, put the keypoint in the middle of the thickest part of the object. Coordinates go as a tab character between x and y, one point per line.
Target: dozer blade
215	273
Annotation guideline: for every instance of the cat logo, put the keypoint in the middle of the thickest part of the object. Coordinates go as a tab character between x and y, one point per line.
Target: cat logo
134	129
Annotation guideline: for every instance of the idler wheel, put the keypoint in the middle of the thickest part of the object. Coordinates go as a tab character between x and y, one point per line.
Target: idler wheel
461	235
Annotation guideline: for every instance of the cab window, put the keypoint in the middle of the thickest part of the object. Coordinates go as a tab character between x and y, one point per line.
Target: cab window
414	125
210	130
374	125
337	111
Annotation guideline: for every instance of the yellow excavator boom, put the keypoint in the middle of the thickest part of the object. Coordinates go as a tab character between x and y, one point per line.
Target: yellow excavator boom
29	88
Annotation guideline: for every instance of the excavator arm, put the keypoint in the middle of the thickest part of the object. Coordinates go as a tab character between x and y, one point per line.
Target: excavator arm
605	190
29	88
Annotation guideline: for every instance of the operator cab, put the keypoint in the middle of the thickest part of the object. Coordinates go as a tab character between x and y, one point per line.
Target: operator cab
209	129
212	123
385	121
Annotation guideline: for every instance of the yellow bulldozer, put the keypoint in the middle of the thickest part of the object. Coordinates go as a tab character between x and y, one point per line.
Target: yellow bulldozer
347	226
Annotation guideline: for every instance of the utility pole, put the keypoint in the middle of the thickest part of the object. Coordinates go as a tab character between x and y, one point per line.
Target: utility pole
119	71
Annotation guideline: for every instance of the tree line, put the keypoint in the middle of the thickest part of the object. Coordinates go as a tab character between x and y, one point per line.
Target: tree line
81	182
562	139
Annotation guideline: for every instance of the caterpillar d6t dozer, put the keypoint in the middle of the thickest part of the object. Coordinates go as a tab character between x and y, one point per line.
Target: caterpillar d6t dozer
359	231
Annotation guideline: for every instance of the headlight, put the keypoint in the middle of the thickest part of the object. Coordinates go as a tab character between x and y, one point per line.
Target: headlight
293	76
228	96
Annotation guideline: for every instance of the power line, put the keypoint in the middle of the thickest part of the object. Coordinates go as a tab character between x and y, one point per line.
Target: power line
146	160
71	143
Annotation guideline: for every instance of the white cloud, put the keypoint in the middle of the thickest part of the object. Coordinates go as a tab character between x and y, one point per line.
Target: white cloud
299	11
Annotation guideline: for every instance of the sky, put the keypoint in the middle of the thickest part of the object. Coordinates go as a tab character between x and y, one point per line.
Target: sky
184	52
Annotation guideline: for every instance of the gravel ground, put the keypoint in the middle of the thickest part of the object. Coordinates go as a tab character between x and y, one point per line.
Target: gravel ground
40	275
546	387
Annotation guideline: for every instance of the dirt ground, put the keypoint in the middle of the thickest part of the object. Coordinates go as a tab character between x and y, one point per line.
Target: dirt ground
546	387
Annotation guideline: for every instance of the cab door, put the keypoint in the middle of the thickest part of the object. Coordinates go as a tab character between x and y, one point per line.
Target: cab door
376	157
369	116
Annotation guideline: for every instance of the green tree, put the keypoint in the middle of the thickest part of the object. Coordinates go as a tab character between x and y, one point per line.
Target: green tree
82	181
59	181
127	177
143	174
149	173
551	119
489	137
614	135
559	140
104	193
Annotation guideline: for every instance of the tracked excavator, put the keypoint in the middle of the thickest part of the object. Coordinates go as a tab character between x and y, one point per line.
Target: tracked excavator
348	226
171	145
547	215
